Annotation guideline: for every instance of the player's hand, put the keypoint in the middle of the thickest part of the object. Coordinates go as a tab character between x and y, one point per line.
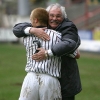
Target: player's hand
40	55
78	54
39	32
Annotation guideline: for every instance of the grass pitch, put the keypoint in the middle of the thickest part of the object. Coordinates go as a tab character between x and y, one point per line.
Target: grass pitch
12	64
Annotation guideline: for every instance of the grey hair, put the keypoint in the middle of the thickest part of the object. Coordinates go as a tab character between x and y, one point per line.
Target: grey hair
58	6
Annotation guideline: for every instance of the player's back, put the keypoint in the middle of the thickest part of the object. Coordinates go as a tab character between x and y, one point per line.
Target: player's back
51	65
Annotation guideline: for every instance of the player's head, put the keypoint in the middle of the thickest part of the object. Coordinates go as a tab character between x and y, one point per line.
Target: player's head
56	14
39	17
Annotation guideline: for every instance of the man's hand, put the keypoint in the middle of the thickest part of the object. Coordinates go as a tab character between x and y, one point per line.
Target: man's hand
40	55
39	32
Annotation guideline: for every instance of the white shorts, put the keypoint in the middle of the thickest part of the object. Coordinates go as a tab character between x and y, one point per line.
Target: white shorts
40	87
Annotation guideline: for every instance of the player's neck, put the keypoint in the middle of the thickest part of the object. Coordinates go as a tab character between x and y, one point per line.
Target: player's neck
41	24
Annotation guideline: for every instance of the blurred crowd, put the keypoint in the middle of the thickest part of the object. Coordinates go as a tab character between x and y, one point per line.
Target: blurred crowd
11	10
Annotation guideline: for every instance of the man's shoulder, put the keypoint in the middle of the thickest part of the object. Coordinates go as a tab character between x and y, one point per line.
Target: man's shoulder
68	22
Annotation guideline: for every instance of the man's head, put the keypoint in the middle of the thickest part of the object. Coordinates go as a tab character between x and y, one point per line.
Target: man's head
39	17
56	14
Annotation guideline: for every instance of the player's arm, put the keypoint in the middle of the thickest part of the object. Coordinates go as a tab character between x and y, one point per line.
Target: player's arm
76	54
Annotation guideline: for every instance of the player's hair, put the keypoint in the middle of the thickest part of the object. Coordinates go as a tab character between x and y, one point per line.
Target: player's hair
64	15
41	14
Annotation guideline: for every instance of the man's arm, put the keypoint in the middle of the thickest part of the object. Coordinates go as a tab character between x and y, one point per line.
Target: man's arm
19	28
43	54
70	40
69	43
25	29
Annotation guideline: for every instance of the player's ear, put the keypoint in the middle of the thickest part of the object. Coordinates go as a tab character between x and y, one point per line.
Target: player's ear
36	20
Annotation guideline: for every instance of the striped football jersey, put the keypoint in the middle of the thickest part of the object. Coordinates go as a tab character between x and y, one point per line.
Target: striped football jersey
51	65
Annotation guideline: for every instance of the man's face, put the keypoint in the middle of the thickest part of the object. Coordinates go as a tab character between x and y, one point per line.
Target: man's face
55	17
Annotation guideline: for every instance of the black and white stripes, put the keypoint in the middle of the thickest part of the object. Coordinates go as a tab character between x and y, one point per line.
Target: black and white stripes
52	65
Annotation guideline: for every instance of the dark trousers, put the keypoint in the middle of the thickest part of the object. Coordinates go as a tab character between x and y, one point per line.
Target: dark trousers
68	98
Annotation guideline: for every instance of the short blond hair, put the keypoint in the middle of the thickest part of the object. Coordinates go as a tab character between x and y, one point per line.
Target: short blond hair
41	14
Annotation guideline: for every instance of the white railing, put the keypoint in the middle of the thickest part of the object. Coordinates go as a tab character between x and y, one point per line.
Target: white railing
6	35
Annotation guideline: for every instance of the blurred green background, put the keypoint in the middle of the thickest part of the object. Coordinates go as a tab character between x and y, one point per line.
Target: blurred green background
12	64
